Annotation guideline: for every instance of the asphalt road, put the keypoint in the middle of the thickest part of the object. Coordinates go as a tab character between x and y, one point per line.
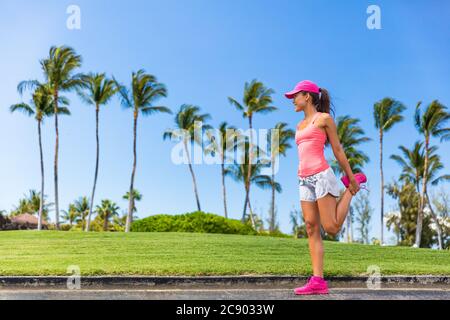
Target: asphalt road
222	294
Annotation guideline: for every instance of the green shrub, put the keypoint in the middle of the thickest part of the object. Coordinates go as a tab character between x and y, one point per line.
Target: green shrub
197	221
275	234
65	227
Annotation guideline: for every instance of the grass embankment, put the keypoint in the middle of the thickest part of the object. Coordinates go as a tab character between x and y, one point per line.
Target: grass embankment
51	252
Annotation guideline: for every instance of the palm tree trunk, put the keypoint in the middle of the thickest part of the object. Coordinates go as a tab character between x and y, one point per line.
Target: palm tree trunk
97	111
131	200
244	214
435	218
55	167
224	189
272	206
419	206
249	171
41	204
422	196
193	176
252	218
382	187
105	223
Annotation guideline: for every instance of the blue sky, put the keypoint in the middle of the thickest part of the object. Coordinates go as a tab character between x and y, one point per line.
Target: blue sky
204	51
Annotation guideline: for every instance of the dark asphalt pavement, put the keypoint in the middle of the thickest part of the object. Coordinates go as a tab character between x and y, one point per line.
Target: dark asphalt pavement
222	294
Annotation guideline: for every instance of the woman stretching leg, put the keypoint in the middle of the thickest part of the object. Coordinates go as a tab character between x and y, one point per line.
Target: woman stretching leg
318	186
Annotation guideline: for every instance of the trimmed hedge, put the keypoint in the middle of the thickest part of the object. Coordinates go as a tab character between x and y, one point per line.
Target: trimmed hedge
197	221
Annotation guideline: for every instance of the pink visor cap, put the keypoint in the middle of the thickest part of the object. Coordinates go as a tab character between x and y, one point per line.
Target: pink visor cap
304	85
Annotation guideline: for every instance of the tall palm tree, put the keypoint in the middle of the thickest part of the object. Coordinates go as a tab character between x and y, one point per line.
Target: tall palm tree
257	99
279	140
386	113
186	121
413	165
430	124
229	139
59	70
106	211
98	91
137	196
145	90
41	106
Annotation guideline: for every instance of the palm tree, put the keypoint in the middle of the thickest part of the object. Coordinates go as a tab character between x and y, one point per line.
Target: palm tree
264	182
31	204
145	89
351	135
413	165
98	91
59	68
82	208
137	196
279	140
186	123
41	106
386	113
430	124
257	99
435	165
71	215
106	211
229	139
238	171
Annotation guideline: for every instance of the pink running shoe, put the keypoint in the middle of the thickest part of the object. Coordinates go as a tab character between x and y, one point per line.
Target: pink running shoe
315	285
360	177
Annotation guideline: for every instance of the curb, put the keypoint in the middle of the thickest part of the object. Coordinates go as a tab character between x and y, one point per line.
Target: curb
159	282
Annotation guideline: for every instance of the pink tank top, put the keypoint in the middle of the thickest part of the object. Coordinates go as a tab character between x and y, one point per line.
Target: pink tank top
311	143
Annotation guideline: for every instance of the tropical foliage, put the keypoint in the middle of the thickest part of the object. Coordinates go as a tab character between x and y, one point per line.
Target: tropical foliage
419	219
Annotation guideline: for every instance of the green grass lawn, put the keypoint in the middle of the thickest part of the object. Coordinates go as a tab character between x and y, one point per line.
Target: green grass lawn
51	252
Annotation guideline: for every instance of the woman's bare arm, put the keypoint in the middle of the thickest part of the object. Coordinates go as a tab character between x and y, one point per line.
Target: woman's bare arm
338	151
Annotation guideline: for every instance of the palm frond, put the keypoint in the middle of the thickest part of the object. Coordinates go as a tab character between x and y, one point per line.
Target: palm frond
22	107
151	110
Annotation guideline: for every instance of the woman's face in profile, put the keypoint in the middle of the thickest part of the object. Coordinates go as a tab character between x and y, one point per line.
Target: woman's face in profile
300	101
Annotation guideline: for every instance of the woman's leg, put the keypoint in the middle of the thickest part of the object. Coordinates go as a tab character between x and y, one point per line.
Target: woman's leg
333	213
312	222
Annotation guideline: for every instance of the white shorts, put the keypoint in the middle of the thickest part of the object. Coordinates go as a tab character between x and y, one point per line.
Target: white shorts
318	185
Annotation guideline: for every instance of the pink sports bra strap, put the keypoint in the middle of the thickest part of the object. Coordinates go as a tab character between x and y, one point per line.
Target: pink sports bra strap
315	117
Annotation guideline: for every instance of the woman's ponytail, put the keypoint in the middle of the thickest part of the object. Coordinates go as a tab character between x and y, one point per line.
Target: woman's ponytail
321	100
324	104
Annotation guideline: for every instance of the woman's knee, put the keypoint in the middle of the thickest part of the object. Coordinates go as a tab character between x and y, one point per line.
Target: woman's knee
332	229
312	228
